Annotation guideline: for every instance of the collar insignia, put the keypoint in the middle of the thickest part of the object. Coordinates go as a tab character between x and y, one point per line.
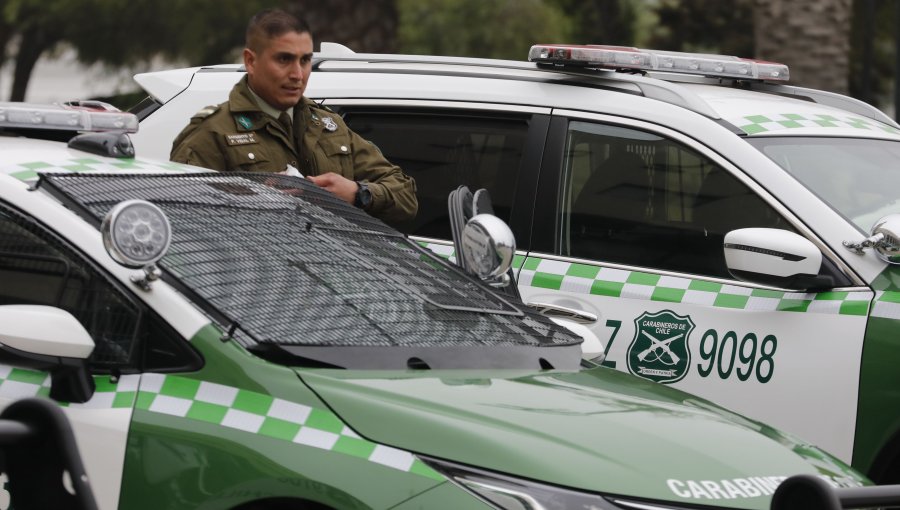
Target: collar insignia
245	121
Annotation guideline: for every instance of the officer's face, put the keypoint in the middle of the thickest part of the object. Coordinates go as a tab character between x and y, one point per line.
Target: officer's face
278	73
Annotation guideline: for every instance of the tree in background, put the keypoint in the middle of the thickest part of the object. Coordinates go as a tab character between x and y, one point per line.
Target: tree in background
39	26
812	38
805	34
498	29
599	21
364	26
704	26
127	33
878	28
121	33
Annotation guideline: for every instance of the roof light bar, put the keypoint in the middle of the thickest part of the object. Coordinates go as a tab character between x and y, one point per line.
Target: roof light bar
63	117
622	57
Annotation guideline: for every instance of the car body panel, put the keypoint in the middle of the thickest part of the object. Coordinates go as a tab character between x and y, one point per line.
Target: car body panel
242	429
484	420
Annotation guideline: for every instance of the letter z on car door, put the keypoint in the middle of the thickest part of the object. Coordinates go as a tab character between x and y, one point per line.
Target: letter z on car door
633	232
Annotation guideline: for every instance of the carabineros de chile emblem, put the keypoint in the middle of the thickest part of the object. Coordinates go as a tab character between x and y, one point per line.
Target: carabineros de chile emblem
659	351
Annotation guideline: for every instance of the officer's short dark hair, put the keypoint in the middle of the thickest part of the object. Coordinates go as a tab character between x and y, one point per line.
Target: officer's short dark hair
269	23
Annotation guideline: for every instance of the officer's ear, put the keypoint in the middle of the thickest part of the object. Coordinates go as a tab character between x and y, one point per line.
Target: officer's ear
249	59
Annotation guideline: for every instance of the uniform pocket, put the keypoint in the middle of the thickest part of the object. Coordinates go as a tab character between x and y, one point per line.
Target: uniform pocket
335	146
338	156
248	158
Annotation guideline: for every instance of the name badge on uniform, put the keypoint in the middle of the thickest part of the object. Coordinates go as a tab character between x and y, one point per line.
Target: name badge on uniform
241	139
329	123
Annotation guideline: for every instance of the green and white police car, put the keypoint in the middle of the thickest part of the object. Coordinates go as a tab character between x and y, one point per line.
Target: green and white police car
289	351
622	189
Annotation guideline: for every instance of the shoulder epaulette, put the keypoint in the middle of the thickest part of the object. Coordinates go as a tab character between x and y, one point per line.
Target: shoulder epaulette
206	112
322	107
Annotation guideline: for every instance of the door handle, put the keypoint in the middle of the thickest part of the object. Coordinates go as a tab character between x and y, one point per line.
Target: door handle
564	312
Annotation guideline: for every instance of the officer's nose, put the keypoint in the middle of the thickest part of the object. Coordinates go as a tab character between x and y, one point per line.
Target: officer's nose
296	72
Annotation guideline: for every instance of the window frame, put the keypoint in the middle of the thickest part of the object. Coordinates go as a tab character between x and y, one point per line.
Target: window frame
538	119
548	209
191	359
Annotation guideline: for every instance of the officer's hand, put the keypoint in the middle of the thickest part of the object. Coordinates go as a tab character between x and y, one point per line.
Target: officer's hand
344	188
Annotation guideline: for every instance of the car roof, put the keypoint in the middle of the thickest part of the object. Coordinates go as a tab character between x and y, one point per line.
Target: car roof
24	157
753	107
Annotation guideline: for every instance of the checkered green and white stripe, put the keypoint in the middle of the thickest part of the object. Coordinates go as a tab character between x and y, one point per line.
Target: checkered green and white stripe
264	415
754	124
16	383
28	171
446	251
887	305
441	250
226	406
619	283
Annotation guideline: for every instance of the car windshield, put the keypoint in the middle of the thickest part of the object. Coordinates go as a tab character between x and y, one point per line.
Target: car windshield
859	178
291	271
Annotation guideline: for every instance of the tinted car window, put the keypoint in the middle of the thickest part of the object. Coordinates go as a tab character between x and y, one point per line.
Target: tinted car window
636	198
37	269
442	151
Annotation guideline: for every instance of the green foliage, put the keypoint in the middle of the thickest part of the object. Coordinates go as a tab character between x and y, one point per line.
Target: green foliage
123	32
478	28
601	21
704	26
883	30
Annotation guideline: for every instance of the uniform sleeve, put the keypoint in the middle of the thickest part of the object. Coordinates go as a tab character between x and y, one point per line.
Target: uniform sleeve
197	146
393	192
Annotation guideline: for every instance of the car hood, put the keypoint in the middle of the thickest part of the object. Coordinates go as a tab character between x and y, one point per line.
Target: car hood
597	430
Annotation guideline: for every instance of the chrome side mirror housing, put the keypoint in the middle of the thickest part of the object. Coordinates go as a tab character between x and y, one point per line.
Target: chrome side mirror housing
488	246
884	239
137	234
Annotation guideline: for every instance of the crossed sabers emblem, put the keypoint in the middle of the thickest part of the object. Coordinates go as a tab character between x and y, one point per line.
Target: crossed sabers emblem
659	348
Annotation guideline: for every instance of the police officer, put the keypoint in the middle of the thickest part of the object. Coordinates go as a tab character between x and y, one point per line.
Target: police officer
267	125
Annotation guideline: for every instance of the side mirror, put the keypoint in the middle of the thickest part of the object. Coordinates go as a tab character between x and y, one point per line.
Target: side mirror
884	238
484	244
488	246
775	257
49	339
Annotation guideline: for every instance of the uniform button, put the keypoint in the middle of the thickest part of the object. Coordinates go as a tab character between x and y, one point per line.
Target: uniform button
343	148
251	156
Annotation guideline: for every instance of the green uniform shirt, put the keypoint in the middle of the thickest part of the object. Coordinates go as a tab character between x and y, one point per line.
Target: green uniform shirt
238	136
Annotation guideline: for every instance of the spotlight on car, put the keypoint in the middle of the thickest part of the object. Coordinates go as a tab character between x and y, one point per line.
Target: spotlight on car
137	234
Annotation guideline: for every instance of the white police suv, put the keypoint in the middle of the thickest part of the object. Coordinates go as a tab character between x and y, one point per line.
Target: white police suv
714	219
248	341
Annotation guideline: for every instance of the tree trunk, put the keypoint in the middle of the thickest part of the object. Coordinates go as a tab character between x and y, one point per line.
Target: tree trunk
811	36
6	34
32	44
364	27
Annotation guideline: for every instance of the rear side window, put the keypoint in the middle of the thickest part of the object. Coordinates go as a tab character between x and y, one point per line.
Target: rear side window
636	198
442	151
